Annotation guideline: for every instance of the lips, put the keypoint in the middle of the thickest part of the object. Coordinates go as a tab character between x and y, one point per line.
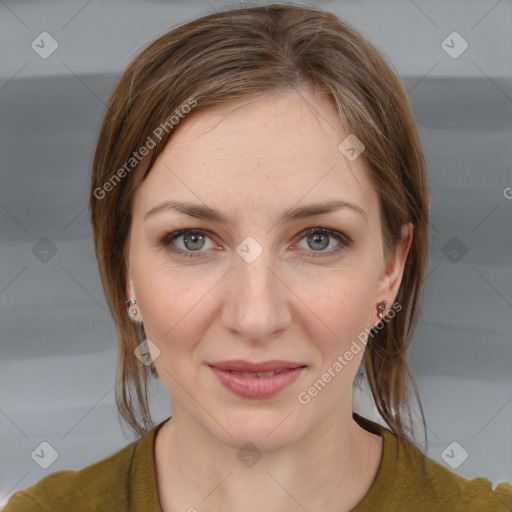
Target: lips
243	366
270	373
257	386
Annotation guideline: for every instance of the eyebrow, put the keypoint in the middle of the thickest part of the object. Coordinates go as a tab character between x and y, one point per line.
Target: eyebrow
205	212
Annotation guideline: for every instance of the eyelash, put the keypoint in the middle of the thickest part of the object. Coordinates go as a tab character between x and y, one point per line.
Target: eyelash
345	241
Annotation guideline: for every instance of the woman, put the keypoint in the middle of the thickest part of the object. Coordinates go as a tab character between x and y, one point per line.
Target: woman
260	207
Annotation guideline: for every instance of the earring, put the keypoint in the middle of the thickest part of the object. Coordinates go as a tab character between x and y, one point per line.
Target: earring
381	306
129	303
141	332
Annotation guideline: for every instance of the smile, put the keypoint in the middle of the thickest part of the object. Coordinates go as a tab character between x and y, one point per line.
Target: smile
257	385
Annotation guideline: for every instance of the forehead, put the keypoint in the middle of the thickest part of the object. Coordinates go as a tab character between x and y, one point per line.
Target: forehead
266	153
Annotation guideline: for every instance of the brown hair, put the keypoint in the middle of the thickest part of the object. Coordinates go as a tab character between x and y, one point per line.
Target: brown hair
243	53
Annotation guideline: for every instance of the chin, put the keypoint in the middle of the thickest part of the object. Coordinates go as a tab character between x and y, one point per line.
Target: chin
267	430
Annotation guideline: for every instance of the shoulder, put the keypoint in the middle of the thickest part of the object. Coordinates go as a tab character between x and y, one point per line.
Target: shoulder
478	492
434	485
409	480
102	484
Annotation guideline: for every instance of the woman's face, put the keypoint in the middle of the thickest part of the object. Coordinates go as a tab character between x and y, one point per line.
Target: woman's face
256	287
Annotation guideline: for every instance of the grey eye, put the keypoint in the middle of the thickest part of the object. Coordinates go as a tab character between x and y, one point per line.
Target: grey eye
196	241
321	240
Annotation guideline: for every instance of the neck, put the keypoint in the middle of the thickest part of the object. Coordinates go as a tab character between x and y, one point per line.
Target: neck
331	468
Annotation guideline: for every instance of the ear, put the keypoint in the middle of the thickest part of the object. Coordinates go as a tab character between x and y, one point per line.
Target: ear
130	292
390	281
129	288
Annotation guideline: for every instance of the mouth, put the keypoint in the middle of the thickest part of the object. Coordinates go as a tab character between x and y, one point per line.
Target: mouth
263	369
259	374
258	384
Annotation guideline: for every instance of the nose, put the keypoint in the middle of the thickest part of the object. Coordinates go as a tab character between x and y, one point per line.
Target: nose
259	300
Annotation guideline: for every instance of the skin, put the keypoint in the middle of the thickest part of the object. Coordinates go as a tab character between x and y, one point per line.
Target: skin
251	160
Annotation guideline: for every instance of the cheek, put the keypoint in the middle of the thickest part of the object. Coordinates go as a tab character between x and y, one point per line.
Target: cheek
173	303
340	317
340	301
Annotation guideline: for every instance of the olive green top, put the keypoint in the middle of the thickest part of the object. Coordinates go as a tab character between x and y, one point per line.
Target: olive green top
126	481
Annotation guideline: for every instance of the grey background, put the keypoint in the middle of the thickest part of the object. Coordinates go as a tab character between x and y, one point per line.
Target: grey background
58	343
